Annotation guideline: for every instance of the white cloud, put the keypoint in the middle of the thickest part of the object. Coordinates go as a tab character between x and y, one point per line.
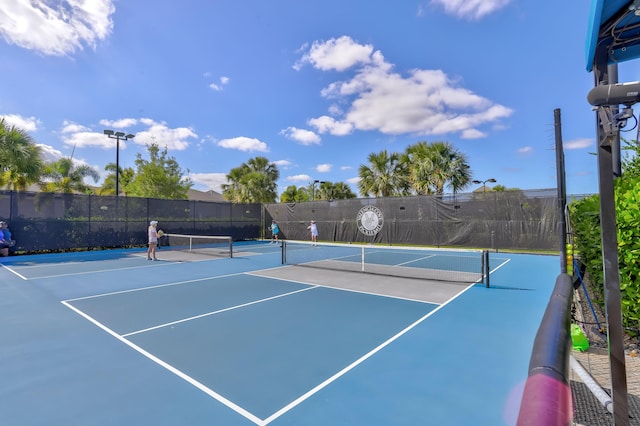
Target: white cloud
285	164
245	144
525	150
471	9
422	102
121	123
218	87
472	134
299	178
323	168
86	139
70	127
56	28
346	167
211	181
326	124
163	136
302	136
579	143
336	54
158	133
28	124
353	180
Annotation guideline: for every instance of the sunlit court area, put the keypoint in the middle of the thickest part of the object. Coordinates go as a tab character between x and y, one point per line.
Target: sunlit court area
319	213
109	338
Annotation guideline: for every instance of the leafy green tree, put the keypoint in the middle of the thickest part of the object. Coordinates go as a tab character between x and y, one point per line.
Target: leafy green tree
109	184
21	161
631	161
252	182
432	167
385	176
66	177
159	177
293	194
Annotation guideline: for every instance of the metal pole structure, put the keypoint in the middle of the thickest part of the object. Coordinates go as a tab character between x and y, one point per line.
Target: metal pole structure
615	142
484	183
118	136
562	192
608	231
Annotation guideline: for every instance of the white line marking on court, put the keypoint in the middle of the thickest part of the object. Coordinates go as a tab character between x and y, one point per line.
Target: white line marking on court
390	296
154	265
172	369
217	312
14	272
151	287
82	262
416	260
353	365
505	261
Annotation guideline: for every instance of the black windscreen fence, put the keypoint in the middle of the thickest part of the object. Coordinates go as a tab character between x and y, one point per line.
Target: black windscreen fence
510	220
514	220
58	222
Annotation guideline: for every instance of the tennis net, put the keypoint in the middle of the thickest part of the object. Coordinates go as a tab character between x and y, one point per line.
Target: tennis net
468	266
201	244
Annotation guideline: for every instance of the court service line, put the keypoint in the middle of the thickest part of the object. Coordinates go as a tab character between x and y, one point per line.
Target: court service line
217	312
351	290
151	287
78	262
353	365
106	270
14	272
416	260
172	369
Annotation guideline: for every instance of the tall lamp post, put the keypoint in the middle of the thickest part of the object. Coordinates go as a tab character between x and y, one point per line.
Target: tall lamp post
118	136
484	183
313	188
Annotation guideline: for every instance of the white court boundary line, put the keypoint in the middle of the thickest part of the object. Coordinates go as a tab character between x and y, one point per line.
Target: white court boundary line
151	287
14	272
217	312
230	404
171	368
357	362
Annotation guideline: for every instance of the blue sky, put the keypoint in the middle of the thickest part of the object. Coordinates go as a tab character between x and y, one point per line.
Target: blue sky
314	86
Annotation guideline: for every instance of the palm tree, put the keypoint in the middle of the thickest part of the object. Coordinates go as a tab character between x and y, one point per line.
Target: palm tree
20	158
293	194
252	182
109	184
64	176
434	166
385	176
342	191
334	191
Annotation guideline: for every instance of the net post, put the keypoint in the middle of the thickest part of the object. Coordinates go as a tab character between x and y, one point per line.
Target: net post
482	274
284	252
362	258
231	247
487	268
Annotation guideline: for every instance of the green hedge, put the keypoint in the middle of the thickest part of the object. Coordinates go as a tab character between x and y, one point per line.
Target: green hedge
585	220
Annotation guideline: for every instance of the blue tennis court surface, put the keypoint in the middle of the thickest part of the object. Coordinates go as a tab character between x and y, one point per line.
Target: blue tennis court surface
104	338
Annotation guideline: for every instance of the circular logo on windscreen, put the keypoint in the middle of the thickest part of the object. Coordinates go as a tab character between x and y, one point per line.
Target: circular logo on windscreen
370	220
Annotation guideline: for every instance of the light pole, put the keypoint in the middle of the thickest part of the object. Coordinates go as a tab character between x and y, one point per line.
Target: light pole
118	136
484	183
313	188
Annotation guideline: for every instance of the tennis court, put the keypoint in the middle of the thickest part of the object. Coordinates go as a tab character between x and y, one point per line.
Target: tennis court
107	337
